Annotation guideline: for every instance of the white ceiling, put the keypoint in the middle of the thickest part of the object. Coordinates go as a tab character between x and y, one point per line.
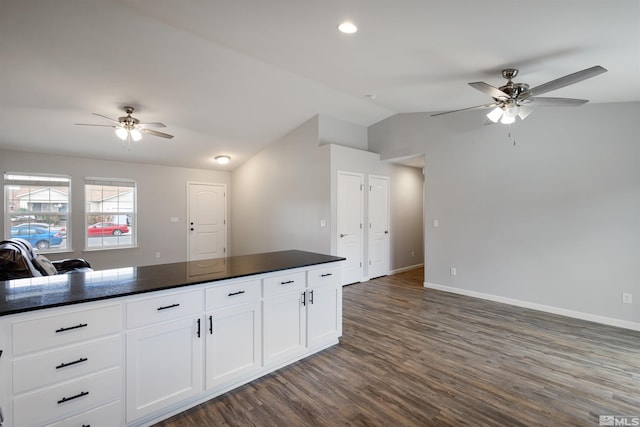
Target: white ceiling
230	76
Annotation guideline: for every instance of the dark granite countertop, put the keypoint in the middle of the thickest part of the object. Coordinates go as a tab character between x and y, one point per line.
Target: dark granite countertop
52	291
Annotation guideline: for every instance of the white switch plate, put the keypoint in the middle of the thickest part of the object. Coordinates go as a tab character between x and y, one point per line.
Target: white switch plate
453	271
627	298
323	223
435	223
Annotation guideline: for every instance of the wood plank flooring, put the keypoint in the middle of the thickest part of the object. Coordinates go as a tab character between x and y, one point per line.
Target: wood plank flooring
411	356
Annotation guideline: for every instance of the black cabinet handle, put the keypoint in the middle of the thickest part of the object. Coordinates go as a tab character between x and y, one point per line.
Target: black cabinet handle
236	293
66	399
326	275
81	325
211	325
304	298
75	362
310	297
198	328
168	306
287	282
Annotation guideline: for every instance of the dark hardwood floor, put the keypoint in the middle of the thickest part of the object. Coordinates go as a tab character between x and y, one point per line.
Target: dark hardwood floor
411	356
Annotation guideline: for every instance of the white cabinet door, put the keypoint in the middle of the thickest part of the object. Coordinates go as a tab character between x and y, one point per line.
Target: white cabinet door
234	340
284	327
164	365
324	319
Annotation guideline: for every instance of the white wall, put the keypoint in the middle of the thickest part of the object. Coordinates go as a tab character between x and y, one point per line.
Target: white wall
552	222
281	194
161	195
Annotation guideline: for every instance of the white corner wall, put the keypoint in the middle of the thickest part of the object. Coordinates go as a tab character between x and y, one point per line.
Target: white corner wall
551	223
281	195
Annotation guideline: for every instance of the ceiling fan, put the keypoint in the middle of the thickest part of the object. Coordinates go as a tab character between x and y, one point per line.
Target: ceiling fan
129	128
516	99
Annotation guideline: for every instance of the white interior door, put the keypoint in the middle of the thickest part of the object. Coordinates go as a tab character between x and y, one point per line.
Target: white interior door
378	226
207	221
349	225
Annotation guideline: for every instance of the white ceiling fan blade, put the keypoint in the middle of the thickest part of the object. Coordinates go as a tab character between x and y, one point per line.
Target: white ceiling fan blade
493	104
156	133
492	91
153	125
557	102
105	117
93	124
567	80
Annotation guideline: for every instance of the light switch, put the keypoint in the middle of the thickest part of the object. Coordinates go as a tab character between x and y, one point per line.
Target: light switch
323	223
435	223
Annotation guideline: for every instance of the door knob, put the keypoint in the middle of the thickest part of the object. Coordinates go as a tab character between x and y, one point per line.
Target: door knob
386	231
191	228
342	235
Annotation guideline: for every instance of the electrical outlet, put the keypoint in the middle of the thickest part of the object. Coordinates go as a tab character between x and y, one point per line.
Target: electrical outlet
453	271
627	298
157	254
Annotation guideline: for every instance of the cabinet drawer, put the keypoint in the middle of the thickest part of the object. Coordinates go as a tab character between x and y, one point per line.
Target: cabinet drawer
63	329
278	285
150	311
61	365
232	294
56	403
105	416
329	276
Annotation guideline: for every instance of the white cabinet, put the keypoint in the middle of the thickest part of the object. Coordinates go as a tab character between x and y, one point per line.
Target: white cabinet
301	311
137	359
324	306
283	317
234	333
65	364
164	360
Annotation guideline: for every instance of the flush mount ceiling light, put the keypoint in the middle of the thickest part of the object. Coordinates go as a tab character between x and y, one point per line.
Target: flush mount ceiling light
222	160
347	27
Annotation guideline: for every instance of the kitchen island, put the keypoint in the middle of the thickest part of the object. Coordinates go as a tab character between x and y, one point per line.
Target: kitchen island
132	346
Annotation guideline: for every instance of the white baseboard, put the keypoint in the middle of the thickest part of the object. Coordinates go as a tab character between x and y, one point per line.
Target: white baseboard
403	269
540	307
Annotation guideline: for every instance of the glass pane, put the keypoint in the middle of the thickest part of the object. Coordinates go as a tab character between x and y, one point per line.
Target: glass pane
39	214
106	230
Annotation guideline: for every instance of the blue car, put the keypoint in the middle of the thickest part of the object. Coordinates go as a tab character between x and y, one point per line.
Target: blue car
39	238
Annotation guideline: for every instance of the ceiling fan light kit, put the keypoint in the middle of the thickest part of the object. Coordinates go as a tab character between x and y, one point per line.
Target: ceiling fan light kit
514	100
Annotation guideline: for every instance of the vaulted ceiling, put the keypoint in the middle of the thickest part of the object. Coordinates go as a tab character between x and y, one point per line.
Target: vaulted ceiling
229	77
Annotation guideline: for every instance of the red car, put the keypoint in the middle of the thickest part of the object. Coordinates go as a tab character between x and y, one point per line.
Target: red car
102	228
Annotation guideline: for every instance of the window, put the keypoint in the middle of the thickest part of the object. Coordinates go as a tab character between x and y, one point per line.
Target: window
38	209
110	213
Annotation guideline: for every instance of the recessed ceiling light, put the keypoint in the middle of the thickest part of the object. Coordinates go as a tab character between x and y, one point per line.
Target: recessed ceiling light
348	27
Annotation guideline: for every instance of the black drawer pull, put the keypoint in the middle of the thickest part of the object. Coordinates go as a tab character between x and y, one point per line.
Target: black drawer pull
287	282
168	306
86	425
326	275
81	325
236	293
66	399
64	365
310	297
210	325
198	328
